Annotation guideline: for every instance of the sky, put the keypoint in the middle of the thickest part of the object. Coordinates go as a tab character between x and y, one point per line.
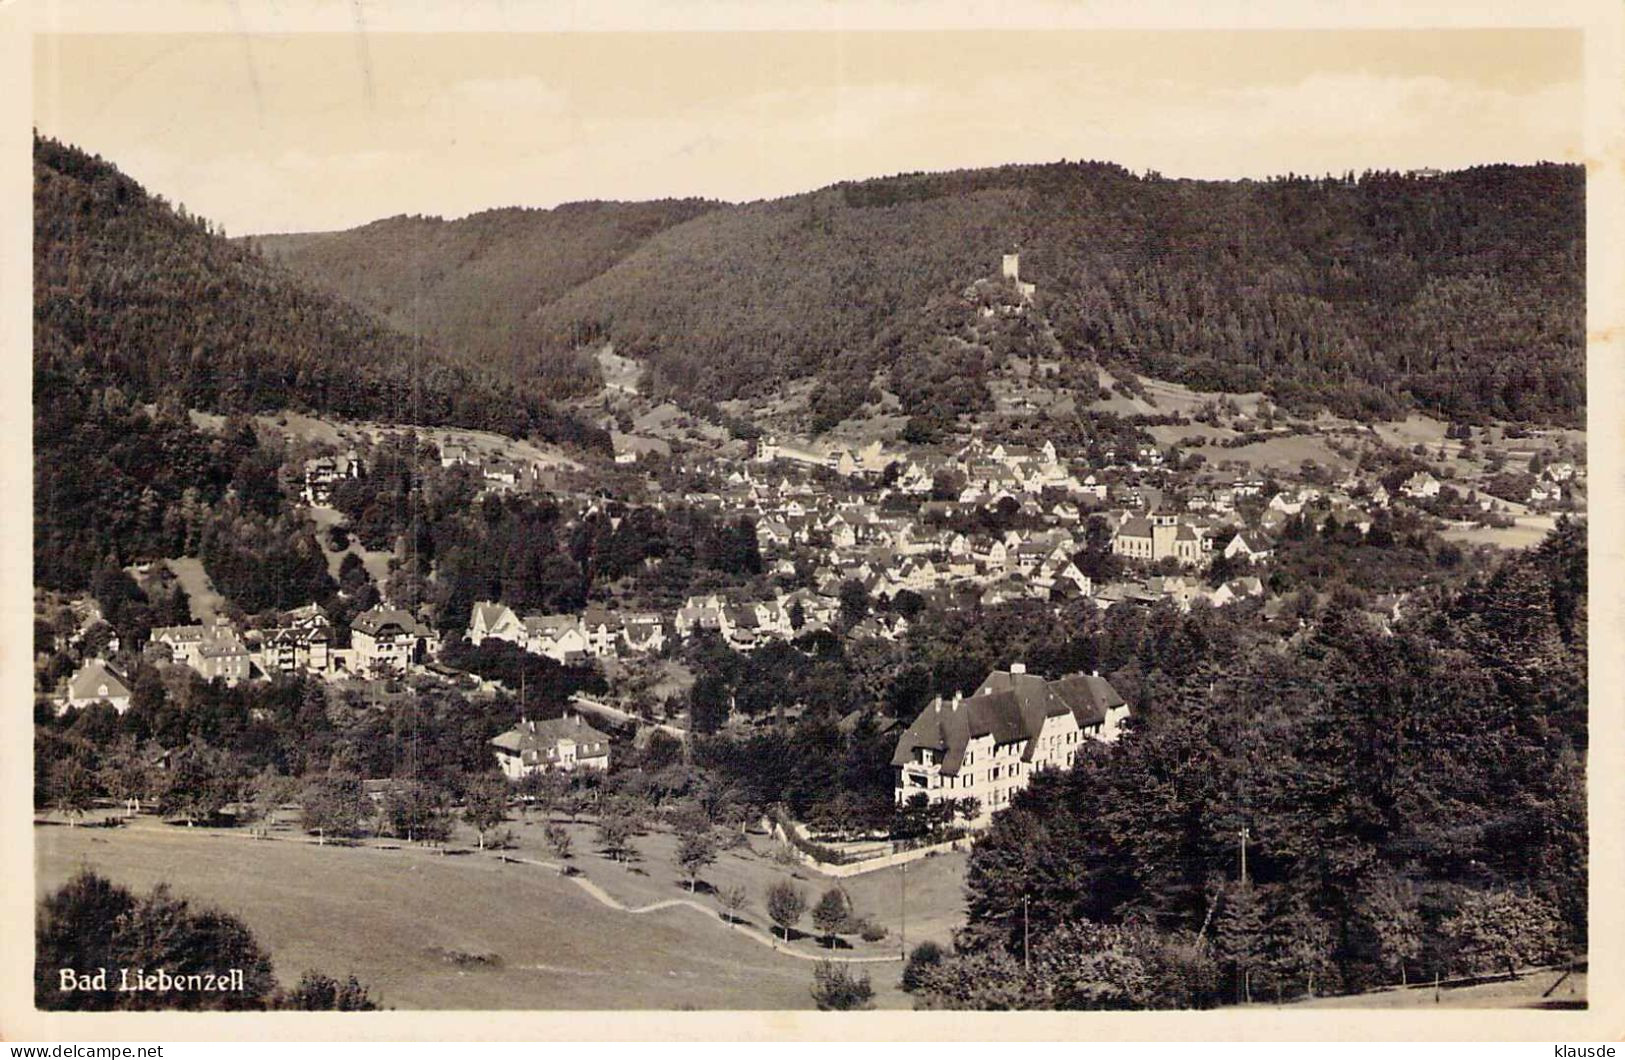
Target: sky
319	131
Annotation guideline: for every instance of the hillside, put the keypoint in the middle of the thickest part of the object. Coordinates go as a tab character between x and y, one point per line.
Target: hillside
1463	294
134	294
471	285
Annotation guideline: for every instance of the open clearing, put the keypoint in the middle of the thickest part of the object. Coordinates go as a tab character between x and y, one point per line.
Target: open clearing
1530	530
390	916
375	563
1528	991
200	592
935	885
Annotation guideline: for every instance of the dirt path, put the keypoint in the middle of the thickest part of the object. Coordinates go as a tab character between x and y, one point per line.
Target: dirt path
605	898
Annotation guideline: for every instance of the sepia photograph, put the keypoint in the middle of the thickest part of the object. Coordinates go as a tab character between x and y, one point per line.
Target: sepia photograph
833	519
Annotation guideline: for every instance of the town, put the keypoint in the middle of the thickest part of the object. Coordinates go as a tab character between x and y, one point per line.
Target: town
997	589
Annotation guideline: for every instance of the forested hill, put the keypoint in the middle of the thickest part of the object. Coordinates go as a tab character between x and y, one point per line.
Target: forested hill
133	294
1462	293
473	284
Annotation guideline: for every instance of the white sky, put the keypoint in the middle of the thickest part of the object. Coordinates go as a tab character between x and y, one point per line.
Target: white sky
317	131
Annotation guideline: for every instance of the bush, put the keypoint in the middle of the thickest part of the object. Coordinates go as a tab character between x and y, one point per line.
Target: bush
872	932
923	956
836	989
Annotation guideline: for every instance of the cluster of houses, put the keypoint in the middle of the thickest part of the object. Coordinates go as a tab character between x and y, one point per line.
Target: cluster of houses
600	633
382	641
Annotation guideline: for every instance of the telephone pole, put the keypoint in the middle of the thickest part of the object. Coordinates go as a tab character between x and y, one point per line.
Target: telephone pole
1026	937
902	890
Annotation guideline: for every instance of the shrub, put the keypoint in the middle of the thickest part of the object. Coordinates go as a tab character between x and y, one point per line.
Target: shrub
923	956
836	989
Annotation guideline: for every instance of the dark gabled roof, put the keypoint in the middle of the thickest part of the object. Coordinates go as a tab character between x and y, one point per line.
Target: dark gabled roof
380	619
1136	526
94	676
1089	696
1010	707
949	726
537	741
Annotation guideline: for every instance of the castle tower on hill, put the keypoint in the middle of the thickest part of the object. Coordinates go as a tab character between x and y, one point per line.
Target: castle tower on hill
1012	272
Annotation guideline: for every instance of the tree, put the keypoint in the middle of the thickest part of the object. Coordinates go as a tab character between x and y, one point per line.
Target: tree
416	810
558	840
854	600
615	836
836	989
1239	941
1084	965
90	923
922	956
485	804
546	788
1502	931
73	789
332	805
266	791
786	903
200	782
124	776
985	980
695	851
322	993
1389	910
1299	945
830	913
732	899
709	703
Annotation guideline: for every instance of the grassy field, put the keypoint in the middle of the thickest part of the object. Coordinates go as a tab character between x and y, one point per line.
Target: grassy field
935	898
1528	991
376	563
392	917
200	592
1530	530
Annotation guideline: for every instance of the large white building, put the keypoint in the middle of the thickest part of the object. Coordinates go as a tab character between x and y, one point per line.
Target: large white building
560	745
987	745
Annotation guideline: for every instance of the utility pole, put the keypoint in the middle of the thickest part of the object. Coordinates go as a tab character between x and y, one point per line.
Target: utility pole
1026	937
902	884
1245	832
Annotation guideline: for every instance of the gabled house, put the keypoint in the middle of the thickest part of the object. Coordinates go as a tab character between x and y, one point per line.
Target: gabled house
324	472
559	637
603	631
643	632
387	640
986	746
560	745
1249	547
96	682
213	651
497	621
1421	484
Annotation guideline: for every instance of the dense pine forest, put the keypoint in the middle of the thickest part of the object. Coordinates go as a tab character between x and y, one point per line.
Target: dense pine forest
1411	803
1462	294
134	294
